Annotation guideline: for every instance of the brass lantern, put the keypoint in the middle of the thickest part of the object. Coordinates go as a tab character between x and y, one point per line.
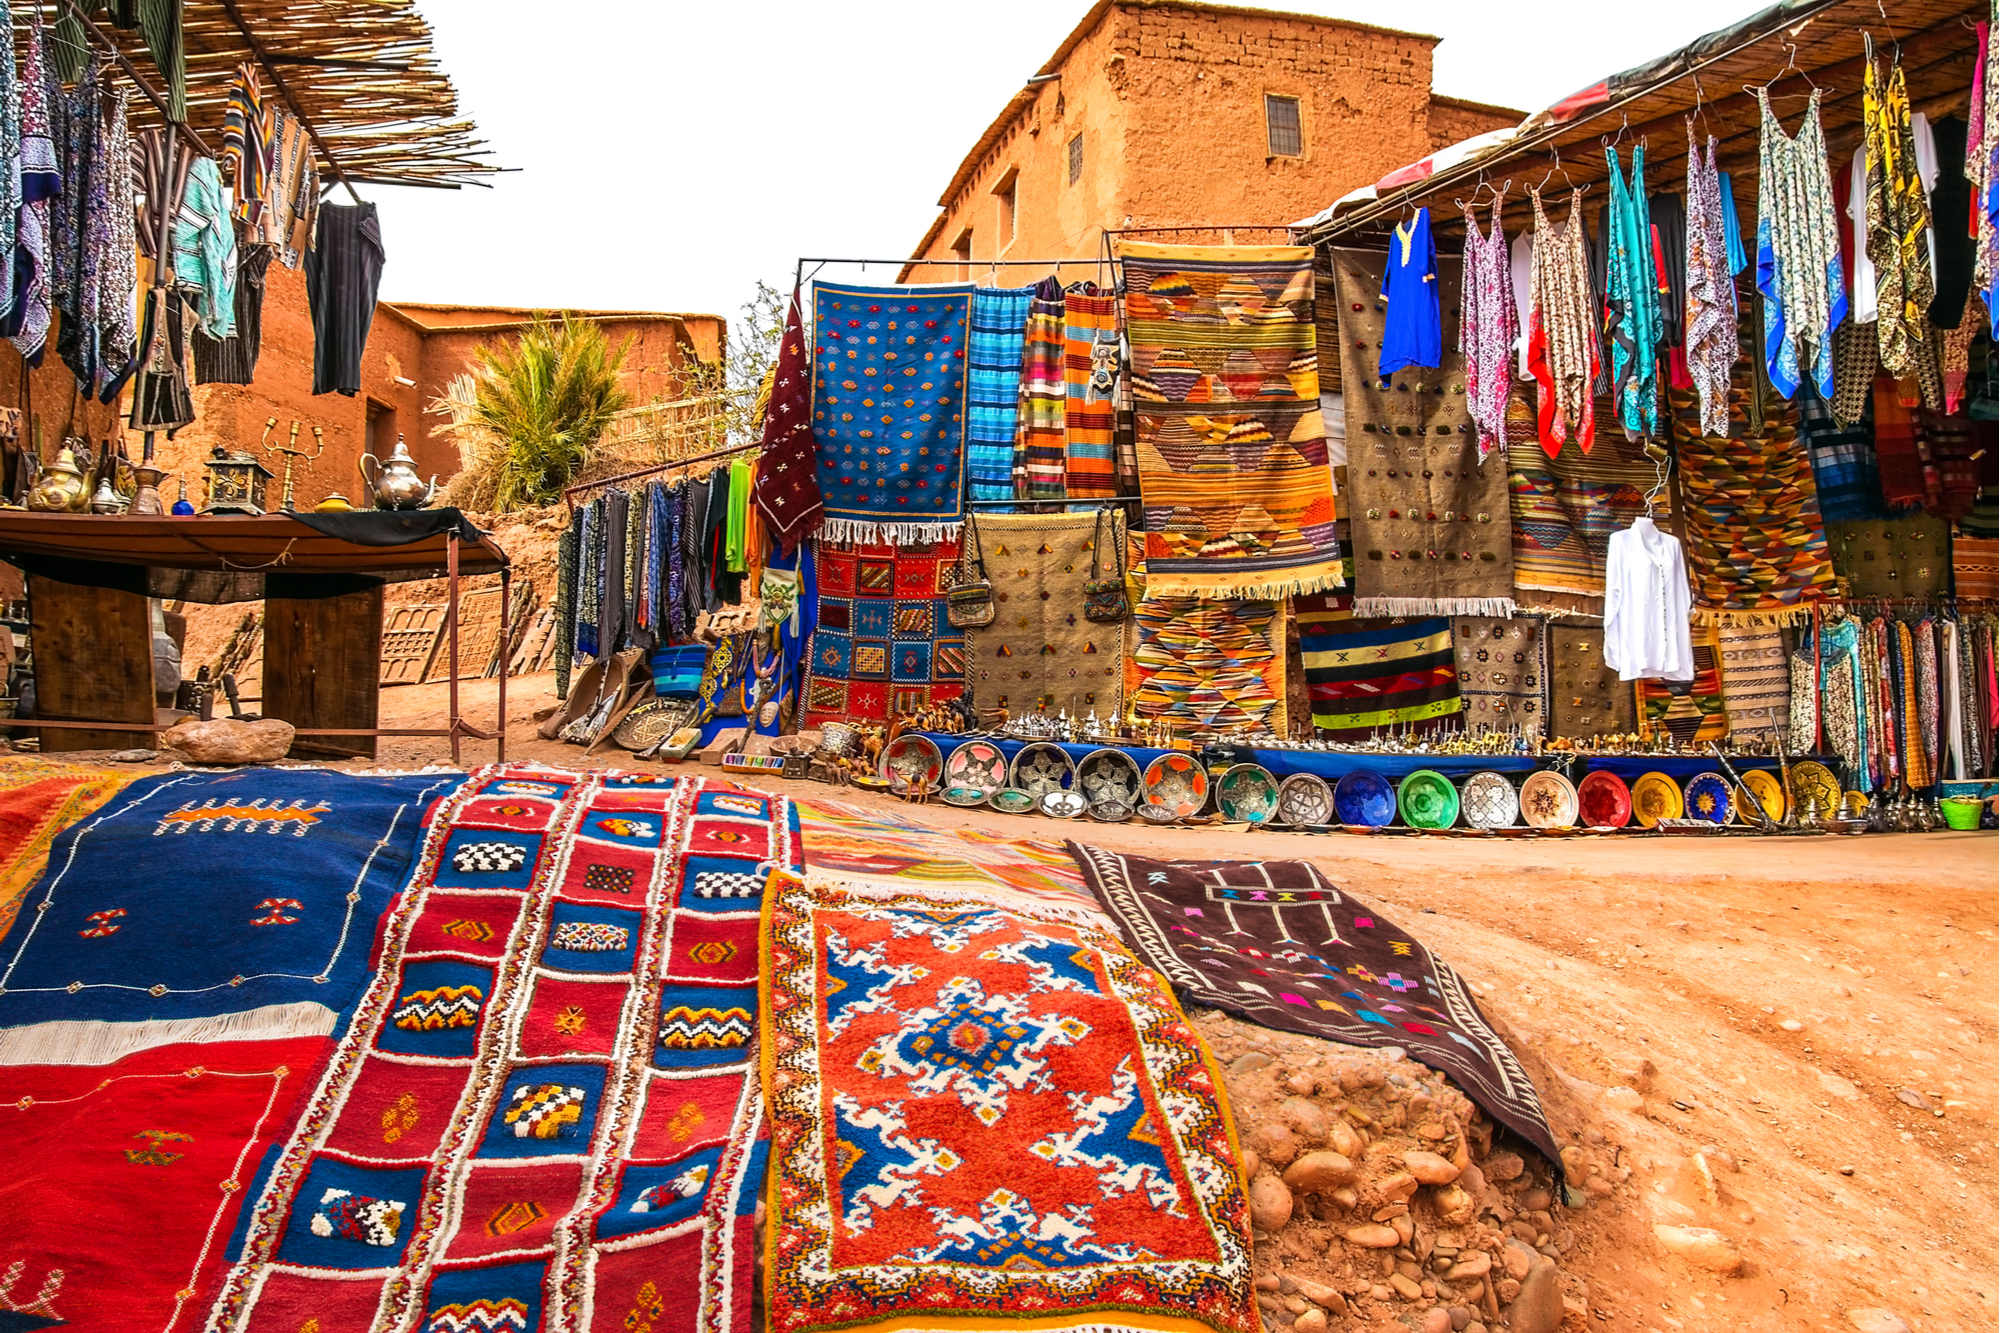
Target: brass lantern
237	482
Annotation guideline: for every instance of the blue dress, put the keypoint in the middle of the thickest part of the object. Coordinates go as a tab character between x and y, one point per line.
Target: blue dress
1413	331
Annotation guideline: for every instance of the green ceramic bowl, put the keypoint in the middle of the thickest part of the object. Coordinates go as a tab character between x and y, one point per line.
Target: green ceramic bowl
1427	800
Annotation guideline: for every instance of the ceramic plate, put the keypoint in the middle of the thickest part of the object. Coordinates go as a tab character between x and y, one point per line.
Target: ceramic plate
1427	800
1488	801
1110	775
1364	799
1011	801
1813	779
912	759
1655	796
1041	767
1603	800
977	764
1062	804
1110	812
1176	783
1770	794
1708	798
1305	799
1548	801
1247	794
965	796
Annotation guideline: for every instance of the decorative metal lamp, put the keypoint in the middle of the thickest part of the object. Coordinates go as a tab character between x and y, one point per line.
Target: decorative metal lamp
237	482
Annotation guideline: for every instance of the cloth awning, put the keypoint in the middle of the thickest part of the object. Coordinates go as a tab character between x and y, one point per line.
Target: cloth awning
242	558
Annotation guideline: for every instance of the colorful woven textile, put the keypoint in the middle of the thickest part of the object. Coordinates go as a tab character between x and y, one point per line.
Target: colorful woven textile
876	853
1232	448
883	645
1040	648
1090	375
1586	698
118	956
889	400
1206	665
1430	530
1975	566
1280	945
1565	508
1843	461
1904	556
993	387
1756	682
1756	547
1691	712
134	1178
1039	428
1365	676
546	1103
1502	673
31	815
786	491
984	1118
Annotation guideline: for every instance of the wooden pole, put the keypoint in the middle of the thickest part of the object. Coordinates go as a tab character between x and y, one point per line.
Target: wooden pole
451	621
506	661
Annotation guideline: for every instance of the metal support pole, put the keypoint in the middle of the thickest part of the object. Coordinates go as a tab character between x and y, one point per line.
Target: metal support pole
162	255
451	621
506	660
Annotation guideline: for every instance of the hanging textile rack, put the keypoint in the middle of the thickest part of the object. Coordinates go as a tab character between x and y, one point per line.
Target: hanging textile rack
1074	506
582	486
903	266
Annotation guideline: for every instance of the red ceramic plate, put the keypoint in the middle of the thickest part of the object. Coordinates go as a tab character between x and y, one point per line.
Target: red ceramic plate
1603	801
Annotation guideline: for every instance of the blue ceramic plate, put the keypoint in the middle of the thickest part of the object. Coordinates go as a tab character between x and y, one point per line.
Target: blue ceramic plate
1365	799
1708	798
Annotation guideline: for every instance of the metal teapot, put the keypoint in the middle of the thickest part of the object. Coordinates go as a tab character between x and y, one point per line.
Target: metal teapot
396	483
62	488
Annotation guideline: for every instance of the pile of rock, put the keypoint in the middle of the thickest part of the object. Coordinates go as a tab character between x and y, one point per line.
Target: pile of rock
1377	1193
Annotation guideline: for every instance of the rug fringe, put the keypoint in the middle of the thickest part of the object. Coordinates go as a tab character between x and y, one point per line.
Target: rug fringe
861	530
95	1042
1396	608
1770	618
1175	585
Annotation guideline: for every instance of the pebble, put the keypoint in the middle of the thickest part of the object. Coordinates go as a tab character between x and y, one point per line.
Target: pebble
1502	1167
1507	1288
1312	1321
1455	1207
1268	1282
1437	1321
1702	1247
1405	1288
1345	1139
1720	1159
1275	1143
1874	1319
1536	1200
1839	1087
1623	1099
1399	1186
1321	1294
1249	1062
1473	1265
1429	1168
1539	1306
1319	1172
1910	1097
1369	1236
1251	1164
1301	1083
1460	1317
1270	1203
1792	1025
1305	1119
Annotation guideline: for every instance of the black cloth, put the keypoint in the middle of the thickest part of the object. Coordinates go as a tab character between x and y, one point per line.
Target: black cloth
1670	223
161	399
392	527
343	273
1951	210
694	579
234	360
611	618
719	582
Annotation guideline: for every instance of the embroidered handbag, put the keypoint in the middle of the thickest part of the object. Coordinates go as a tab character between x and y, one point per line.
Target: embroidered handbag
968	601
1104	599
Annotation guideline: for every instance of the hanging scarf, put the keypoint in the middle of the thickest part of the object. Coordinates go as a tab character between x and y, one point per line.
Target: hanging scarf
1632	299
1488	323
1887	740
1041	423
734	554
590	560
27	322
1798	251
1711	293
1562	331
1899	214
1803	734
1929	696
787	488
1903	699
678	624
1843	698
565	606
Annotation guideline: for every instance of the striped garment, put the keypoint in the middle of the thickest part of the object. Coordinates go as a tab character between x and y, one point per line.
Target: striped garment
1090	375
1368	675
1039	429
246	143
1843	461
1756	681
993	386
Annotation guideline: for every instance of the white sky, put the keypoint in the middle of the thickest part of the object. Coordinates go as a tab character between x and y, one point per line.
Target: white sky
673	153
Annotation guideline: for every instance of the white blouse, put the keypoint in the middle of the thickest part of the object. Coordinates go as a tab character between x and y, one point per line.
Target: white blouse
1646	605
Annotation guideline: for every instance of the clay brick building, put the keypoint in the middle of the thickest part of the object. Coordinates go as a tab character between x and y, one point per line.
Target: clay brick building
1175	113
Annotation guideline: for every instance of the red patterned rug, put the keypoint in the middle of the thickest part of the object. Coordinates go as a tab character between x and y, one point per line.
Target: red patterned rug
985	1117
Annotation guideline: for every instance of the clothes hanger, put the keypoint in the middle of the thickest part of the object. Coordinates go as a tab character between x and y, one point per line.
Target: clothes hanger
1791	67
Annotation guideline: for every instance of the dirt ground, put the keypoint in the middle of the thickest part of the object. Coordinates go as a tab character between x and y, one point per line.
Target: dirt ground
1788	1041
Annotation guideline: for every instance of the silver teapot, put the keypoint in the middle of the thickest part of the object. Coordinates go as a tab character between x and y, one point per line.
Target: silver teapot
396	483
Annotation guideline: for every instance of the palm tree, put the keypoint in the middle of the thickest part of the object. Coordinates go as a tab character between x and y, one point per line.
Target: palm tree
547	399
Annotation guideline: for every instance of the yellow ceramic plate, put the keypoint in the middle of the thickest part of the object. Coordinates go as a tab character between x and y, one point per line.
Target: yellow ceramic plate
1656	796
1814	779
1770	794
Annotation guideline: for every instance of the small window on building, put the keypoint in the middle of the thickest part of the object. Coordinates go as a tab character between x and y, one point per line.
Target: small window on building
1281	126
1076	159
961	250
1006	193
